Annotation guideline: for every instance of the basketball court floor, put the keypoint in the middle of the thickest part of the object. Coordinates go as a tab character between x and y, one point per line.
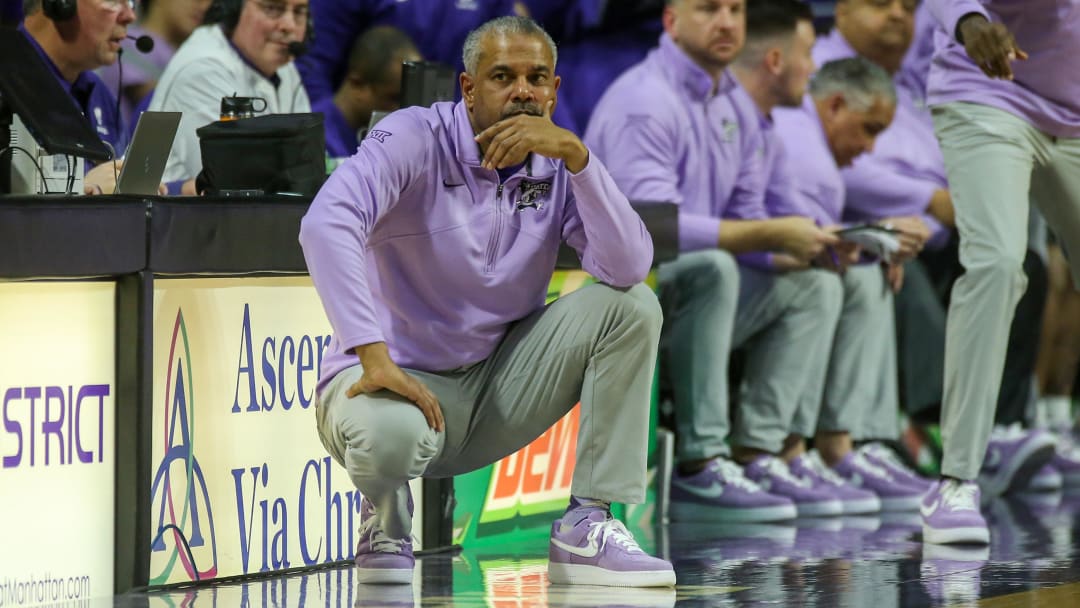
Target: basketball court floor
873	562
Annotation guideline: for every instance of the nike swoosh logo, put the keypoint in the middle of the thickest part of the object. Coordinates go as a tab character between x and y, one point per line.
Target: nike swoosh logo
713	491
927	511
590	551
449	185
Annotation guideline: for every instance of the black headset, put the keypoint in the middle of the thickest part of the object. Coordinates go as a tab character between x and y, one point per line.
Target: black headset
227	13
60	10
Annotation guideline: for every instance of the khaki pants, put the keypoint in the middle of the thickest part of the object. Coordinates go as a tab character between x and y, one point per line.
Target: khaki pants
597	344
998	165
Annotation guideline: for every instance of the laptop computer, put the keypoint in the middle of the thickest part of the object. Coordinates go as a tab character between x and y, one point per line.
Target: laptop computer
144	163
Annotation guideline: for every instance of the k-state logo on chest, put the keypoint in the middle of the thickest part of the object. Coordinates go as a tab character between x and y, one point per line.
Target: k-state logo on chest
533	195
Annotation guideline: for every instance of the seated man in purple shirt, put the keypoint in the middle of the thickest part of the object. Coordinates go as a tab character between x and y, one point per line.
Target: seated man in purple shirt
74	45
851	101
432	249
372	84
1006	109
678	127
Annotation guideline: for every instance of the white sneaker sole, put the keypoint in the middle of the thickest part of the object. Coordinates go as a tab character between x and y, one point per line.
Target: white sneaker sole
824	508
901	503
582	574
384	576
862	506
974	536
692	511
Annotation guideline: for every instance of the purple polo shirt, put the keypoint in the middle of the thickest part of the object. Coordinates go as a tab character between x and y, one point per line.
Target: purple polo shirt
905	167
93	98
1046	88
413	243
667	134
805	179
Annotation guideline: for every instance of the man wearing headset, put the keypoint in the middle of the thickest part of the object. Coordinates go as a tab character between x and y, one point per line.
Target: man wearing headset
246	49
75	37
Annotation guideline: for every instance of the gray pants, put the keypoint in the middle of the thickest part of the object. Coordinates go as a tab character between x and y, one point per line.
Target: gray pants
860	387
996	164
597	344
785	321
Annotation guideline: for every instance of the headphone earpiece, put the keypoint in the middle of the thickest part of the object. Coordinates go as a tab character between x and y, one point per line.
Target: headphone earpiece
60	10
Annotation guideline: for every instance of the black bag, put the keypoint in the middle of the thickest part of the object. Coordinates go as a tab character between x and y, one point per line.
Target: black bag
276	153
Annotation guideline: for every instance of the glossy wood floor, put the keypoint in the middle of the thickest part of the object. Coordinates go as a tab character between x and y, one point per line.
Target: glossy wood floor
876	562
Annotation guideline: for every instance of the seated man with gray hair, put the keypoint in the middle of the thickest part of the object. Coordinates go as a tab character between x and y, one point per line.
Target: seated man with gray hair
851	102
432	249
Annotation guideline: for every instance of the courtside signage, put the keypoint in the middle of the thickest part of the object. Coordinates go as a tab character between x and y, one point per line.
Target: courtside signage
239	474
57	438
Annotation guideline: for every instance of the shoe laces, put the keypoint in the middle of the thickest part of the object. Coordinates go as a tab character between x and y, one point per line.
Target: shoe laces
817	465
732	474
883	453
958	496
379	541
865	466
613	531
779	469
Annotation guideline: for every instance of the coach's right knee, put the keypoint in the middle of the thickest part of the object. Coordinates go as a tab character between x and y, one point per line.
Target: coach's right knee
395	443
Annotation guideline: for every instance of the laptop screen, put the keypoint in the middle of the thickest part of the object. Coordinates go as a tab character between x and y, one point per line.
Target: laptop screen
144	163
29	89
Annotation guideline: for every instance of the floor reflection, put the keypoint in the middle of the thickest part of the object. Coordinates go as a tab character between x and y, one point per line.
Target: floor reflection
865	561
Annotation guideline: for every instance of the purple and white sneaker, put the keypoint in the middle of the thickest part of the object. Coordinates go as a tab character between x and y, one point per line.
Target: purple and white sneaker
774	477
590	547
950	514
380	558
1046	479
1013	456
894	495
883	456
854	501
722	493
1067	461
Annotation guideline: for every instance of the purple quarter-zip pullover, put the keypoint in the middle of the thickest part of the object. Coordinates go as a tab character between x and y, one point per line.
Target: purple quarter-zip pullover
1046	88
411	242
668	134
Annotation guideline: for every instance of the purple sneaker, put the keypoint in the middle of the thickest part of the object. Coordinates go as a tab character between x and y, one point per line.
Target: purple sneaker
1046	479
379	558
774	477
854	501
722	493
950	514
1067	461
884	457
589	547
894	495
1013	455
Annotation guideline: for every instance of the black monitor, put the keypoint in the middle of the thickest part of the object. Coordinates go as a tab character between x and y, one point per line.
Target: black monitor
29	89
425	82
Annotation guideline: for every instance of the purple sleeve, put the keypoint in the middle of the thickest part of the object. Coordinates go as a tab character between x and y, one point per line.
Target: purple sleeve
949	12
334	232
337	24
607	233
876	190
747	201
642	156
